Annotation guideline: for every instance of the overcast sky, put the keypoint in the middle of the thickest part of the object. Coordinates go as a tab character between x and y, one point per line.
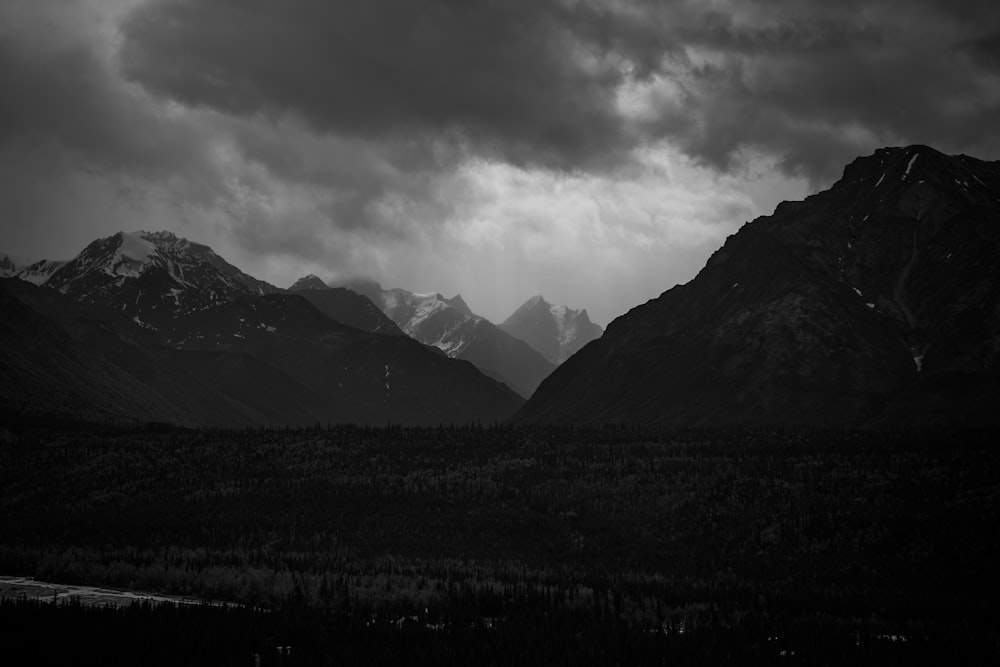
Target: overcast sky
594	151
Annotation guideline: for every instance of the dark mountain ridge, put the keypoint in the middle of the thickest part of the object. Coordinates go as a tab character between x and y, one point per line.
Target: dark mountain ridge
69	359
874	302
344	305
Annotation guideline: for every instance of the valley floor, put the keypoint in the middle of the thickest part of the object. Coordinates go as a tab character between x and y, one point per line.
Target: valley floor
510	545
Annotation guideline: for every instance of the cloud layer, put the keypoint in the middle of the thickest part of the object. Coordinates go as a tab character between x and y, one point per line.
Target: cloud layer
575	83
595	151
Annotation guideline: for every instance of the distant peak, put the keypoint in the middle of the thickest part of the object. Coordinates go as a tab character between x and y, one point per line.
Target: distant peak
308	281
363	283
536	300
158	239
458	303
889	167
160	236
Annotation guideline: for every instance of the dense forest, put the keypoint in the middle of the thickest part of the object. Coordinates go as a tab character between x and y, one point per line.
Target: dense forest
509	545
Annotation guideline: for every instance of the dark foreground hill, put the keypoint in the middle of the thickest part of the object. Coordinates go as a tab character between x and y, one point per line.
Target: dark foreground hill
874	302
265	360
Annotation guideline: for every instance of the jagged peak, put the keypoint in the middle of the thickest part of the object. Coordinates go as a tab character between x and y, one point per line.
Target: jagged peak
308	281
891	166
458	303
146	242
535	300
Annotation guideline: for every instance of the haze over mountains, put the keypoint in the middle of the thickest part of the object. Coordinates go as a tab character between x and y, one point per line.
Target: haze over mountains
874	302
345	306
449	325
556	332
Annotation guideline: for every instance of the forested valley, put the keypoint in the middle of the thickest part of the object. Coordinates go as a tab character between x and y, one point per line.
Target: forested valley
505	545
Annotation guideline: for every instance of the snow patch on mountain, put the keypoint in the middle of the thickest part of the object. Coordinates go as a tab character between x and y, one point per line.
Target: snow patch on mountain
135	247
153	275
450	326
39	272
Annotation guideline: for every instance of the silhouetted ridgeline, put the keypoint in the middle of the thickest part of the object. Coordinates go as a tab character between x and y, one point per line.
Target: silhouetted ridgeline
515	545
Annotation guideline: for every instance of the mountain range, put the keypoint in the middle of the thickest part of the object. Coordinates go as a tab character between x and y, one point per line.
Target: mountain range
874	302
32	272
149	326
449	325
153	276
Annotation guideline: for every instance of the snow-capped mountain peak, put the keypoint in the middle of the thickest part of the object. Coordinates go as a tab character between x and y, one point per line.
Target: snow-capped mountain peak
32	271
131	255
430	318
153	276
452	327
39	272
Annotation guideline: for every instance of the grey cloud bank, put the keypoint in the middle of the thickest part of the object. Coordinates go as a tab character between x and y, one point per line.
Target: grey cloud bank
595	152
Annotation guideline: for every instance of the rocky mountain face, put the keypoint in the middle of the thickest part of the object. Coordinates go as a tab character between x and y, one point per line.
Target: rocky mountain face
155	276
556	332
65	359
355	376
450	326
149	326
38	273
307	282
874	302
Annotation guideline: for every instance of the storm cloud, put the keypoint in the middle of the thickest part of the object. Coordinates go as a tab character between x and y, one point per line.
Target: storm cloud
595	151
542	82
517	79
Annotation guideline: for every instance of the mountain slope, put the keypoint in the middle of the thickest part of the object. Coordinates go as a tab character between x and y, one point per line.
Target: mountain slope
39	272
154	276
194	340
63	358
355	376
556	332
449	325
271	360
309	281
876	301
344	306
